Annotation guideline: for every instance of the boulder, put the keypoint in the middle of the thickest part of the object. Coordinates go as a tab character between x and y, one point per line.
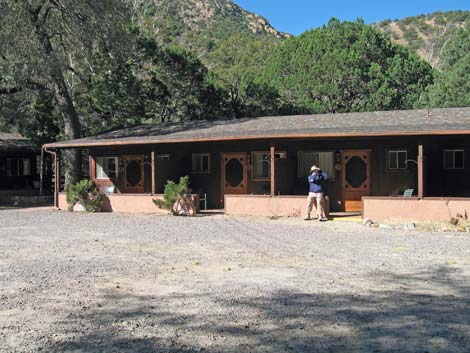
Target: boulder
409	226
78	207
386	226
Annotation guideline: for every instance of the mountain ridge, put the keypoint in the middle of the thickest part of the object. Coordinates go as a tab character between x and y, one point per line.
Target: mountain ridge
202	25
426	34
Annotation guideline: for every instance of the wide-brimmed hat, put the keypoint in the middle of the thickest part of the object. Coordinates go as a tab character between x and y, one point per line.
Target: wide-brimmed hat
314	168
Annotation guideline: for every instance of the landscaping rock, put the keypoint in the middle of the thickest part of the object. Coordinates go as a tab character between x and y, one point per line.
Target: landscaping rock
367	222
78	207
386	226
409	226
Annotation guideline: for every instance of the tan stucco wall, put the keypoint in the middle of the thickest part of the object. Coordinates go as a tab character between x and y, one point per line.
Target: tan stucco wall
261	205
414	209
129	203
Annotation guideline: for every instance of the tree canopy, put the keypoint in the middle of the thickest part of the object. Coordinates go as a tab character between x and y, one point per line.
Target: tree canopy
46	45
344	67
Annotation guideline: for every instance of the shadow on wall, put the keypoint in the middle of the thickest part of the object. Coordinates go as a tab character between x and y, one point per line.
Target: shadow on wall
415	317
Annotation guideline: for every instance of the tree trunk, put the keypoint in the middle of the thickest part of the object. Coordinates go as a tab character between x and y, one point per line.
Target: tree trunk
72	157
72	128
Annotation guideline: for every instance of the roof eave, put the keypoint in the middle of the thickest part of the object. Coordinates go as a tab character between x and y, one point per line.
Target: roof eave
103	143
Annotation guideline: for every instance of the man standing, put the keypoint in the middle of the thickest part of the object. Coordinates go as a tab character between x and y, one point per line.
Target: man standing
316	179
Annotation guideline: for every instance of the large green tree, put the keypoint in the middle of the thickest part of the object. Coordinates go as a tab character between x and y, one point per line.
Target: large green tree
151	84
452	87
345	67
236	63
46	45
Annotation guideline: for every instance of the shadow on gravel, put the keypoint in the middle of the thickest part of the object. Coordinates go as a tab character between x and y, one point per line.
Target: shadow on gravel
411	318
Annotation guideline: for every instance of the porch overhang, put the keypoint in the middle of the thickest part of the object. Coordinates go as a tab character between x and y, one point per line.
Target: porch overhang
448	121
156	141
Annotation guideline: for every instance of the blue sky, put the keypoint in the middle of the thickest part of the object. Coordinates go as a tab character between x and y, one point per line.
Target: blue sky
297	16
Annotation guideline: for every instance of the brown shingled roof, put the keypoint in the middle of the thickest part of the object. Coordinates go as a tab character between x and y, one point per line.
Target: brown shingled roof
386	123
15	142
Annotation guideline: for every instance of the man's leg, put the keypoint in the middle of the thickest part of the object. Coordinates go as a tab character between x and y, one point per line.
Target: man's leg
310	201
321	207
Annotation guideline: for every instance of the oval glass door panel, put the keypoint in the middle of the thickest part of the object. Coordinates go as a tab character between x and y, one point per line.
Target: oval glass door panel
133	173
356	172
234	172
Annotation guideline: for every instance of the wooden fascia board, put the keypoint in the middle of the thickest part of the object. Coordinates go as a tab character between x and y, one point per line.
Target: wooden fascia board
255	137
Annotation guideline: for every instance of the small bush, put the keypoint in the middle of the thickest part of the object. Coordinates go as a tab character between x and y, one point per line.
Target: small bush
86	193
411	34
173	192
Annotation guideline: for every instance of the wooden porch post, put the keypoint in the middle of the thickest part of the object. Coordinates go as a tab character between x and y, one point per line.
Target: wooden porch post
56	179
273	178
153	170
420	172
91	167
41	175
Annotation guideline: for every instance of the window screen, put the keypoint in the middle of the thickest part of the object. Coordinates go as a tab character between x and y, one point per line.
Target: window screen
106	167
323	160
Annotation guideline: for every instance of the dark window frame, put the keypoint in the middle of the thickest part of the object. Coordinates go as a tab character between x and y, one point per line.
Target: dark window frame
453	151
20	167
201	155
396	151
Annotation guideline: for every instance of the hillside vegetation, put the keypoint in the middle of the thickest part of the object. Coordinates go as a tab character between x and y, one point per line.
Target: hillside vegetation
200	25
427	35
452	86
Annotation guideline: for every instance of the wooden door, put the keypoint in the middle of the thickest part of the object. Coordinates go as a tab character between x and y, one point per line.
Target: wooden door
234	174
356	180
133	174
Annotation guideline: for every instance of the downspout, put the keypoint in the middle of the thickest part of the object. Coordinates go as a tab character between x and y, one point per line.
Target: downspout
56	177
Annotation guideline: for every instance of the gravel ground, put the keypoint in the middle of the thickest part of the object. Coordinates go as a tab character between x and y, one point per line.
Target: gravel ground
142	283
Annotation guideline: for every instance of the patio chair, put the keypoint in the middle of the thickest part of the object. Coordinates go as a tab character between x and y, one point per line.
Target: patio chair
203	199
408	192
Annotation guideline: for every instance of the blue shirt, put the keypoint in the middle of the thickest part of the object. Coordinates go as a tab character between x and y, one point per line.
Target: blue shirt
315	180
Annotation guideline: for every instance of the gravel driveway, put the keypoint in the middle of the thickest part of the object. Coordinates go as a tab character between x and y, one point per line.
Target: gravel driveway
141	283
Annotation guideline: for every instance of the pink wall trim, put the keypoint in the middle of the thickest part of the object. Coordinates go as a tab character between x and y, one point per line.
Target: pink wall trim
414	209
128	203
268	206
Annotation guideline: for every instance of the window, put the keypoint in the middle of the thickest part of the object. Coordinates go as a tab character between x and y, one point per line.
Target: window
162	157
18	167
106	167
324	160
397	159
454	159
262	163
201	163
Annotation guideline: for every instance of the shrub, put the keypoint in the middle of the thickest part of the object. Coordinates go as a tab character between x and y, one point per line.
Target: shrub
173	192
86	193
411	34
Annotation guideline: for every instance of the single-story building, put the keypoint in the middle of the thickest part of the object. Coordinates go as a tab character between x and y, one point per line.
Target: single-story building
18	163
400	164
